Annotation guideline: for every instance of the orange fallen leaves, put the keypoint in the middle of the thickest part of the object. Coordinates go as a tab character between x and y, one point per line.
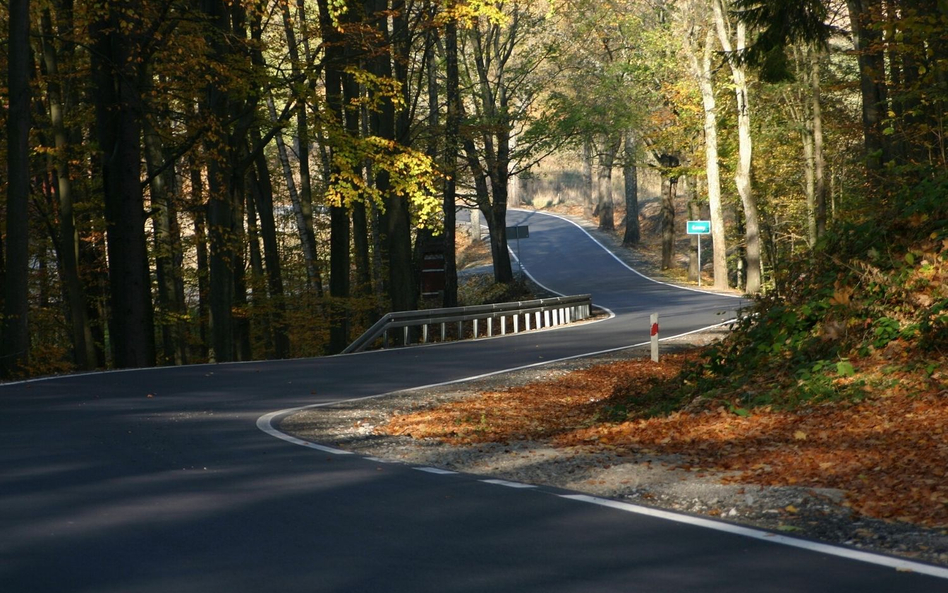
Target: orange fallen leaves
889	453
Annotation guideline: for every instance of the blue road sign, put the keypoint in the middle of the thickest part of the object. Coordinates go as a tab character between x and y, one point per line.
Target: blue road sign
698	227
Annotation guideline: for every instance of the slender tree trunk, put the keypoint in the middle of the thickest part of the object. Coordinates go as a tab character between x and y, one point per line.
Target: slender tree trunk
164	221
339	262
742	174
668	223
198	211
451	154
809	177
589	199
605	199
701	70
68	235
819	158
630	173
271	254
260	311
404	291
15	334
302	214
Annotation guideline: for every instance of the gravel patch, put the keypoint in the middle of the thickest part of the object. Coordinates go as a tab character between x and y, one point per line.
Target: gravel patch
638	478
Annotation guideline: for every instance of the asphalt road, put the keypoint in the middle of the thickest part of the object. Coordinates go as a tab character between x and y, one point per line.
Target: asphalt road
160	481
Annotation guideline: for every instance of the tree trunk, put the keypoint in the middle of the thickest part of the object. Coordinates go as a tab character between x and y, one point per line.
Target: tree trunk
819	159
869	56
451	153
588	182
809	178
339	262
604	197
271	254
198	211
260	311
701	70
167	243
118	117
15	349
742	174
633	231
84	354
668	223
404	290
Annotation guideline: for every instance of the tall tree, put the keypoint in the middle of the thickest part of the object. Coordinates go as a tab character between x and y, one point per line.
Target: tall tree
14	354
733	39
118	33
698	44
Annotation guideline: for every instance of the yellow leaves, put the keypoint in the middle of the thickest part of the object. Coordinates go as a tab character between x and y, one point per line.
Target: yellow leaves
842	295
412	175
799	435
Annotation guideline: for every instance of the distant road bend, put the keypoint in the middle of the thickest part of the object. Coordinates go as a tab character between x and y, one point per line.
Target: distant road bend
157	480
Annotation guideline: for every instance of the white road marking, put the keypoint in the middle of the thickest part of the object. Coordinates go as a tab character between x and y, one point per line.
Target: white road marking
508	484
264	423
436	470
858	555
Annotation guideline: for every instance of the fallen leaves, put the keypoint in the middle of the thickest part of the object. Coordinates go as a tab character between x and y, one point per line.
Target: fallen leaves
889	453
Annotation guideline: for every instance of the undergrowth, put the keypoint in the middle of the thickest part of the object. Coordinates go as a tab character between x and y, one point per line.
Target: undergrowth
865	313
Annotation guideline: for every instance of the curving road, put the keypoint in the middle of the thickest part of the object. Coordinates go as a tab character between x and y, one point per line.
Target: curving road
158	480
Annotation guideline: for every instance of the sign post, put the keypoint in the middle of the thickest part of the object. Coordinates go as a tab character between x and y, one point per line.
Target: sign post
698	227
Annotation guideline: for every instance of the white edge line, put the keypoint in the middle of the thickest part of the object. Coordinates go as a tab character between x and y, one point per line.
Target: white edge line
436	470
616	257
858	555
508	484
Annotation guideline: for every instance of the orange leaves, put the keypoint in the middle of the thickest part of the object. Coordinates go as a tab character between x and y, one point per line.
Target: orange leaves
889	454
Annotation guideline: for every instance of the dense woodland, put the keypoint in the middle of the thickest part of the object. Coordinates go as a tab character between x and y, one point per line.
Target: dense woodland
219	181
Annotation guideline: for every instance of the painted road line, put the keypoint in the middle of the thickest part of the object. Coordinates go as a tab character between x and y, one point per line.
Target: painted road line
508	484
858	555
436	470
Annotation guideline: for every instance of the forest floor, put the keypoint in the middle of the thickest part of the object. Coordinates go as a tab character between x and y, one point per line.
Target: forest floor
868	475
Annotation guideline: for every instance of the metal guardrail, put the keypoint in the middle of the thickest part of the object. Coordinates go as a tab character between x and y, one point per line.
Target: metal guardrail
522	316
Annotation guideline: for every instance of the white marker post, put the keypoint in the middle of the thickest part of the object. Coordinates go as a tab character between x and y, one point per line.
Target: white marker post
654	333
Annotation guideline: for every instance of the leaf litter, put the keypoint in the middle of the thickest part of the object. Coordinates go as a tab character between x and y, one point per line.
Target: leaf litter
887	453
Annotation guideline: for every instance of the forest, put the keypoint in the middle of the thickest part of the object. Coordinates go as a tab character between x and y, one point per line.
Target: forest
220	181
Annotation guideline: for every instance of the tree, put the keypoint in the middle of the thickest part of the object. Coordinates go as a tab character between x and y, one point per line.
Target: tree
505	75
698	45
14	354
733	39
118	32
